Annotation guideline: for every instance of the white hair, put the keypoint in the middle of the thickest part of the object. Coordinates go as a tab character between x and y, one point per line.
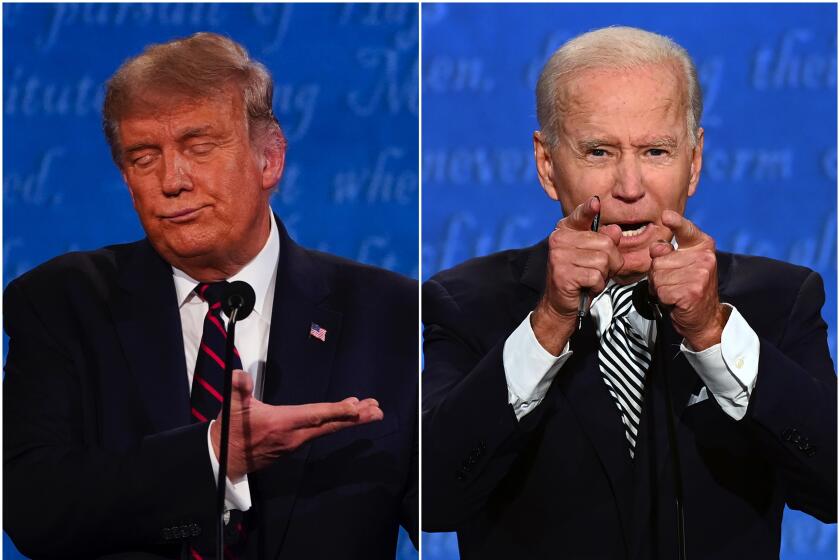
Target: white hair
613	48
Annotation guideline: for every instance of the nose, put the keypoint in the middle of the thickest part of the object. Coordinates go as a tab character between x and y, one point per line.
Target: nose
176	174
629	184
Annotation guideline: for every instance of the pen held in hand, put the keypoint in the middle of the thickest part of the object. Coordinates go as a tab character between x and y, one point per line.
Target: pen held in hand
583	306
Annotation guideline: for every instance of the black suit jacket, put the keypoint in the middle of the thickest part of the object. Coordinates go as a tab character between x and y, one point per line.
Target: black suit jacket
101	457
560	483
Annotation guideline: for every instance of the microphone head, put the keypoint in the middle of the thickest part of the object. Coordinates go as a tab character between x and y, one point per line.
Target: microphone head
238	295
645	303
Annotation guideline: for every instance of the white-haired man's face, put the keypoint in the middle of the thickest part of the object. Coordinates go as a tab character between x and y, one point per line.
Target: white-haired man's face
623	137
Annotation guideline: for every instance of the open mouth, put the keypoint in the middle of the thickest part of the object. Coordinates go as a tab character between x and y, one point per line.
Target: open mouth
633	229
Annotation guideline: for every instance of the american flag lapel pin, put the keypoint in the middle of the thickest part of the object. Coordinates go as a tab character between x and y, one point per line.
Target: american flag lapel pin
317	331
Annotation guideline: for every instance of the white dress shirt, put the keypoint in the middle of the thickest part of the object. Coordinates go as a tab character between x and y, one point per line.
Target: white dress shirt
251	337
728	370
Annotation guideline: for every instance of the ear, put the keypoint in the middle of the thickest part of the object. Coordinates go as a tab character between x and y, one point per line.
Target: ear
545	167
273	159
696	164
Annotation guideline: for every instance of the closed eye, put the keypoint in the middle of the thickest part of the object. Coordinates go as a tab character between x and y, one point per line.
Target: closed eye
143	161
201	149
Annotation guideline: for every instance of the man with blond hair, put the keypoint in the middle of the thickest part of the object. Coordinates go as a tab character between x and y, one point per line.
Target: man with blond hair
114	374
561	416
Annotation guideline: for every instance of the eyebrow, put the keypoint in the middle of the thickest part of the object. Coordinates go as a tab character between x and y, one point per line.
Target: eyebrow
591	143
139	146
194	132
654	141
665	141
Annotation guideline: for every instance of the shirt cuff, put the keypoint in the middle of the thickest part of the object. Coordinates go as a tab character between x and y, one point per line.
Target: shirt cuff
729	369
238	494
529	368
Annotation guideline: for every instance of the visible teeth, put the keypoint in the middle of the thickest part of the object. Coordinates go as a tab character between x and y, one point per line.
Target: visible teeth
634	232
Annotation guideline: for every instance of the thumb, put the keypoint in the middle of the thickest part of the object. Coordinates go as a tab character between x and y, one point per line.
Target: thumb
242	386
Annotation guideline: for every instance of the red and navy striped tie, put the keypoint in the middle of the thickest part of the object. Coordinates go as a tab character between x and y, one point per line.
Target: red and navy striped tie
208	376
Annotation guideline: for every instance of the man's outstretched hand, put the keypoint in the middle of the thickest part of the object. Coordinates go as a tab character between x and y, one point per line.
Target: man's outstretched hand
261	433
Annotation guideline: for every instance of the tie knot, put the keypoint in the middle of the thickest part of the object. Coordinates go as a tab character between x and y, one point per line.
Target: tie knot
211	293
622	299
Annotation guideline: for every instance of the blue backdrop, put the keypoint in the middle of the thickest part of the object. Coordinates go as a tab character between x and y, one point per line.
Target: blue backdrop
769	180
346	94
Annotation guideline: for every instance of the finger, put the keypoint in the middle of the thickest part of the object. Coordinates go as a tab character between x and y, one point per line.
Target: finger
368	402
373	414
660	249
581	218
591	258
613	231
589	241
686	232
684	259
318	414
242	388
683	276
589	279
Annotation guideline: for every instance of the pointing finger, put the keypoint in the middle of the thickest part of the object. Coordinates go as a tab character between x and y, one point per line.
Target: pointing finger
686	232
582	216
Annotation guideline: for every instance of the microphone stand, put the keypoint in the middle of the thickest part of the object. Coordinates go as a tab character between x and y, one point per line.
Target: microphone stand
675	452
648	308
227	389
238	303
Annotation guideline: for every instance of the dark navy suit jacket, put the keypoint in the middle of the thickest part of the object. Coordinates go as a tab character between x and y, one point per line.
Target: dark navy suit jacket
561	484
100	455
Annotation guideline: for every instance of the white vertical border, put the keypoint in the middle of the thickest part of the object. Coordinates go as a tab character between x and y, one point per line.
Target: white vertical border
420	279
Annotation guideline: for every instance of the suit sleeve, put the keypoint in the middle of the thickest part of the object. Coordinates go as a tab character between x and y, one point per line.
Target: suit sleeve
793	409
64	495
471	436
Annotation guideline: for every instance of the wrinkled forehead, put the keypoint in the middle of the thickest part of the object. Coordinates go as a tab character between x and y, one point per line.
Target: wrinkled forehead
157	101
659	86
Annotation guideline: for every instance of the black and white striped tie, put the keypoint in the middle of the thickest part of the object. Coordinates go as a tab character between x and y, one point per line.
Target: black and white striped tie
624	358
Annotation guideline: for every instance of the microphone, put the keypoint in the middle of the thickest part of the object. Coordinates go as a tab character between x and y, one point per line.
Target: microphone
646	303
238	296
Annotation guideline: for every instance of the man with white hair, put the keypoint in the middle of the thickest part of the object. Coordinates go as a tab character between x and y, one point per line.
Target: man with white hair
559	421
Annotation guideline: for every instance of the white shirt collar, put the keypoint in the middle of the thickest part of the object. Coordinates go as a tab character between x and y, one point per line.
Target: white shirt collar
602	313
258	273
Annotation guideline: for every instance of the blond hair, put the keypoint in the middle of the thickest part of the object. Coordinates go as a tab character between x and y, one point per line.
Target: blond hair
202	65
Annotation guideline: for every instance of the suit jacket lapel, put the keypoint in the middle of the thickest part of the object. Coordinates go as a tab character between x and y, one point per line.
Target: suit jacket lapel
583	389
145	311
297	372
